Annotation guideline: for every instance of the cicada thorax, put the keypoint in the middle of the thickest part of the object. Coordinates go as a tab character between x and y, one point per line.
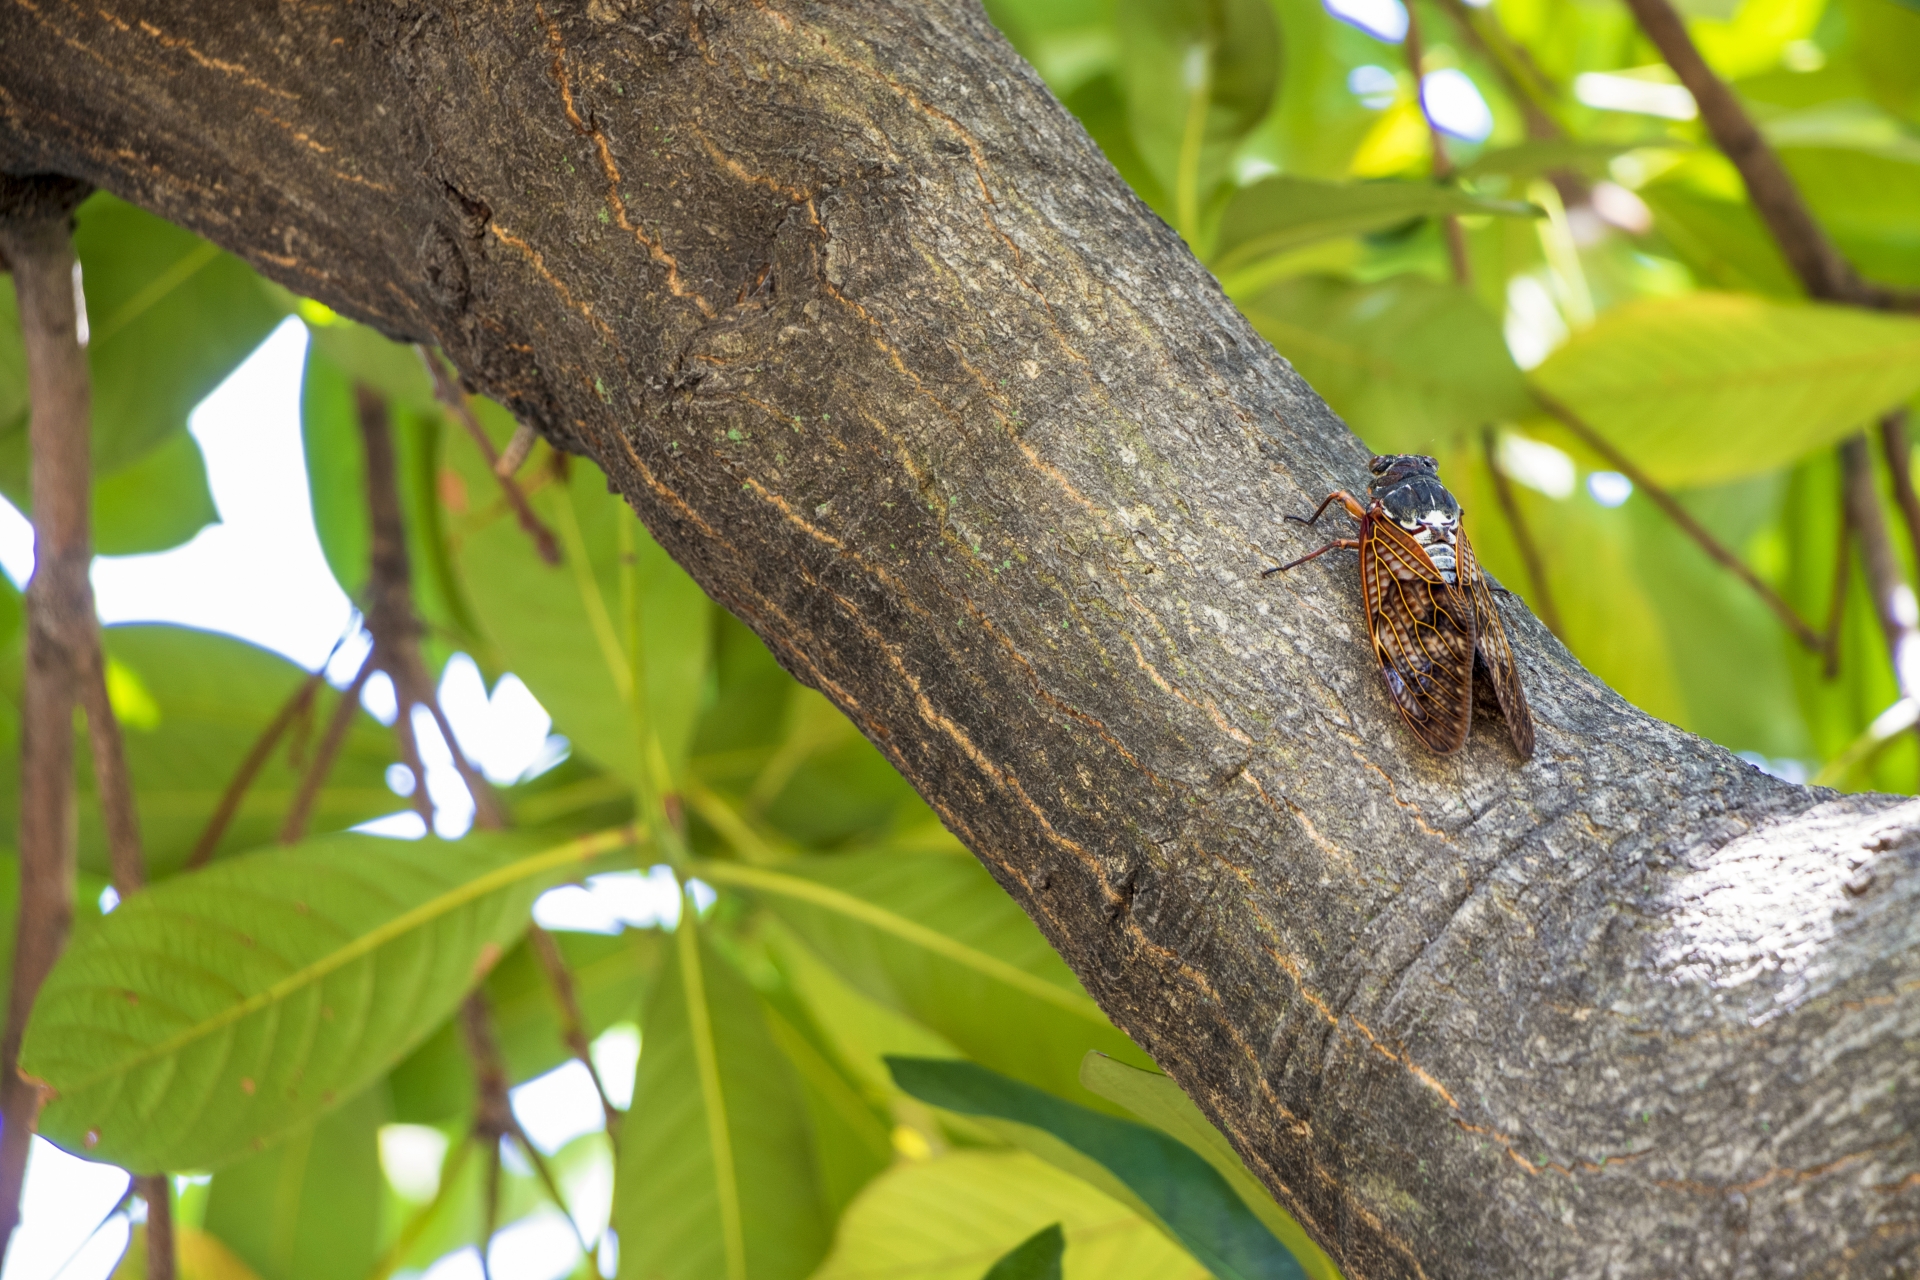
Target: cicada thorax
1415	500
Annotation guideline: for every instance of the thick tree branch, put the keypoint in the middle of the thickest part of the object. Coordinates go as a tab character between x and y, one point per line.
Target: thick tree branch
985	456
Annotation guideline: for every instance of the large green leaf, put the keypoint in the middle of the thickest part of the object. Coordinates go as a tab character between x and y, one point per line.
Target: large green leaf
1198	75
210	1015
1158	1101
1278	214
169	317
1185	1195
1710	387
716	1175
934	938
1408	362
568	630
950	1218
307	1208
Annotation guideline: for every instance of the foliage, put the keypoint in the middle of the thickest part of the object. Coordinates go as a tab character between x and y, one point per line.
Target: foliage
282	1017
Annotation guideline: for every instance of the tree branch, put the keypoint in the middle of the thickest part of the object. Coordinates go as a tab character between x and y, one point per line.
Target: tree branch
573	1027
162	1251
1824	273
992	463
396	629
36	243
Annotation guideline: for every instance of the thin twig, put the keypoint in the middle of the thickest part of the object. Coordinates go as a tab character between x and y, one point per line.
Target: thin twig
162	1253
1522	536
1837	602
1684	518
396	629
1893	599
257	756
1525	84
493	1117
1442	164
449	393
1822	270
295	824
1899	452
572	1026
36	241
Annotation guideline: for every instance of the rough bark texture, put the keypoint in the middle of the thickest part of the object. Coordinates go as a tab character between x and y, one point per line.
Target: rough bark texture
883	351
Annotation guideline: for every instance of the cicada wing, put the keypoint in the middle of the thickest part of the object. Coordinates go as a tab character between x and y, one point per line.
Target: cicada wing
1495	654
1422	629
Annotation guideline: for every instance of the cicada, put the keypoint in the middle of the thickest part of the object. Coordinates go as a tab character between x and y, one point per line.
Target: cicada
1430	608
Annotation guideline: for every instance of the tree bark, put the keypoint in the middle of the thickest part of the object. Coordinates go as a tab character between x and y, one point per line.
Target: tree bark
888	357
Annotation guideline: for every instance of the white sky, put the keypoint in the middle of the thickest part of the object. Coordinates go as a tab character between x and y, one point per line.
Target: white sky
259	574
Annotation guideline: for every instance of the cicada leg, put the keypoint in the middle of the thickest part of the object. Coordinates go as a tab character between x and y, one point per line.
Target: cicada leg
1338	544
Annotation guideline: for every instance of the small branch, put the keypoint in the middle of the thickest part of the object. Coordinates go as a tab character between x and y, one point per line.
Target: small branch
1837	602
298	814
1522	536
162	1253
396	629
493	1118
1442	164
1822	270
449	393
1899	452
37	243
257	756
1893	599
1684	519
572	1026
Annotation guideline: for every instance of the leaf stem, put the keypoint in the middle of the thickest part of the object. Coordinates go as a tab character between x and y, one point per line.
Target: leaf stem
573	1027
1193	137
712	1096
256	758
450	394
1667	503
1442	163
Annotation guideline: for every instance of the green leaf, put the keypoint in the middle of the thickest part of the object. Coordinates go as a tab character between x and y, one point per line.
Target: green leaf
1198	75
210	1015
1535	157
1159	1101
169	317
157	502
200	1255
934	938
1408	362
307	1208
950	1218
1035	1258
1279	214
716	1174
1710	387
1185	1196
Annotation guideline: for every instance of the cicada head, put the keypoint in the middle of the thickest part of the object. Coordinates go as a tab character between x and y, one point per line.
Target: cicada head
1407	487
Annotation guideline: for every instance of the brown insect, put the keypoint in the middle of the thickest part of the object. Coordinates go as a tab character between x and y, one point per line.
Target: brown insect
1430	608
